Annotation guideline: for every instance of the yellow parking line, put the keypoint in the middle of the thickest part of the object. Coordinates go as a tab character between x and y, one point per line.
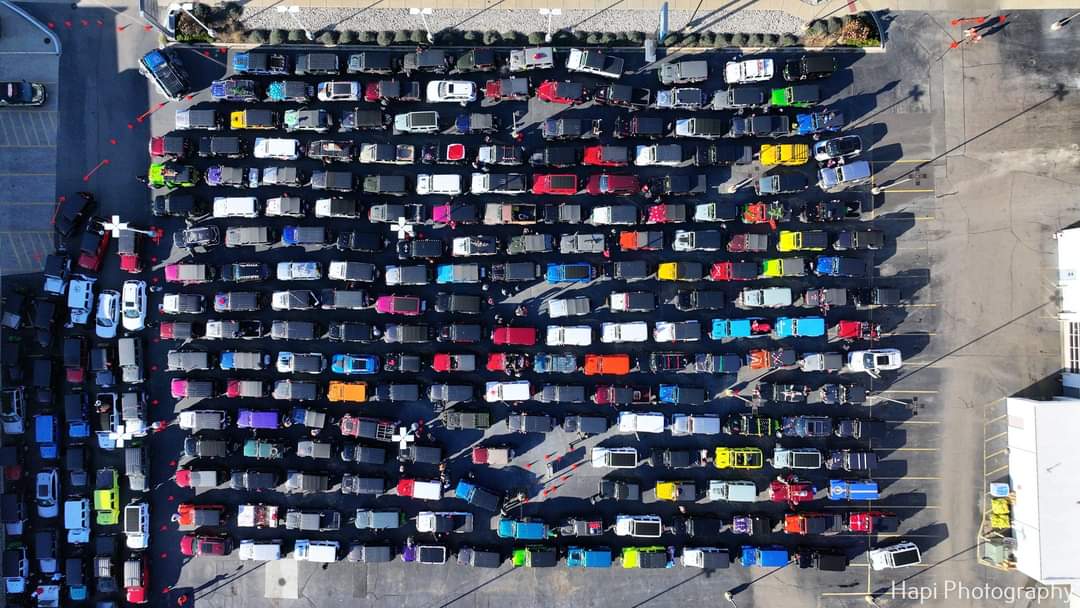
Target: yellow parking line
1002	434
996	471
997	453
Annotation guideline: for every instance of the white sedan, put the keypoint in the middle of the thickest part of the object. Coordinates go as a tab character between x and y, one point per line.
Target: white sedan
108	314
875	361
451	91
133	305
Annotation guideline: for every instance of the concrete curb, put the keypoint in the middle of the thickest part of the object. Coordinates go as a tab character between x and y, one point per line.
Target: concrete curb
621	49
53	38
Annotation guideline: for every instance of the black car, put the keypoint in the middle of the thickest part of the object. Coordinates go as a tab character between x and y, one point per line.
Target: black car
252	479
170	205
73	211
760	126
240	272
426	60
368	242
460	333
740	97
346	331
700	299
668	362
644	127
809	67
22	94
403	363
457	303
552	156
199	236
476	60
859	240
829	211
371	62
419	248
293	330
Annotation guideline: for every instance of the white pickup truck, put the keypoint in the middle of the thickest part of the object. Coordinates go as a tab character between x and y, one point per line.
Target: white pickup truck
595	62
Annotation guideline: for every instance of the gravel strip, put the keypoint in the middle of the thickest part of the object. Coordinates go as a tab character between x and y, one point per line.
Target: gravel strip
317	19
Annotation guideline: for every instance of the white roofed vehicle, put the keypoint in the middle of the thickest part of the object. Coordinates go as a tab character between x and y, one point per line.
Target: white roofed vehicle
592	61
749	70
569	335
618	333
695	424
276	148
444	522
641	422
451	91
614	458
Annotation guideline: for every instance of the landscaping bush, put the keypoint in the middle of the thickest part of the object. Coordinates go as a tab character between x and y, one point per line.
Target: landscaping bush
278	36
491	37
818	27
771	40
636	37
671	39
593	38
402	36
346	37
418	37
834	25
327	38
258	36
706	39
755	40
859	30
297	36
537	38
367	37
385	38
722	40
513	38
608	38
789	40
738	40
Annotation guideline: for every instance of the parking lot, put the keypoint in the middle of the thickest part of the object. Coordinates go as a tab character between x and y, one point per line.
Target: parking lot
907	460
875	92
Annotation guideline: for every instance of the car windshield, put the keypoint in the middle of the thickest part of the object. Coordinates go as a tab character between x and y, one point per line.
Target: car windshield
869	362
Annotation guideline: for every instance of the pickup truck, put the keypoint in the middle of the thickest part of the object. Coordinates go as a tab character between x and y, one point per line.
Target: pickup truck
498	183
683	98
233	330
622	95
166	71
704	128
596	63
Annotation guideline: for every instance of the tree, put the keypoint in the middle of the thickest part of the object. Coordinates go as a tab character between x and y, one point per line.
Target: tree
672	39
537	38
818	27
385	38
636	37
738	40
835	24
278	36
689	40
706	39
789	40
722	41
299	36
418	36
328	38
257	36
347	37
402	36
755	40
492	37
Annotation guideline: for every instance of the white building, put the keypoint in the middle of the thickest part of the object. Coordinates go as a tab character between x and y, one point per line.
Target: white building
1043	461
1068	242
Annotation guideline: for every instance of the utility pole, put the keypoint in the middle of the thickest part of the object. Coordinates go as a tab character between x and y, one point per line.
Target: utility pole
424	12
293	11
549	13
